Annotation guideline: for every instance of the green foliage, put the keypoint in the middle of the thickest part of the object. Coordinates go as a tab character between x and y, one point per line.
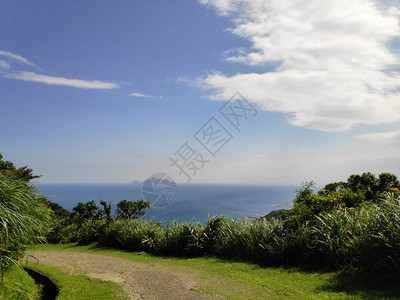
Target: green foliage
8	169
131	209
387	182
81	287
5	165
87	222
107	210
307	205
184	239
364	187
354	224
86	211
89	211
24	220
58	210
354	193
366	237
134	234
18	285
243	280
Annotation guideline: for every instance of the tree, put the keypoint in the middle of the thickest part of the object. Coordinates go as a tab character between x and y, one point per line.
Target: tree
86	211
364	187
357	189
366	181
131	209
7	168
333	187
387	182
5	165
59	211
25	173
107	210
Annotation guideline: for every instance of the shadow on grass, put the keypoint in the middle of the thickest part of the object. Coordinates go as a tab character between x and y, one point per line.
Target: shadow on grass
367	286
97	247
350	282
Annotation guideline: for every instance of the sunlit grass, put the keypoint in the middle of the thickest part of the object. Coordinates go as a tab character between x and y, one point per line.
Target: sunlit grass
238	280
18	284
80	287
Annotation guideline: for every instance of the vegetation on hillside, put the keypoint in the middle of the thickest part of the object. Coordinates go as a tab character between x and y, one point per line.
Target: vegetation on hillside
88	222
25	218
17	284
80	287
242	280
354	224
8	169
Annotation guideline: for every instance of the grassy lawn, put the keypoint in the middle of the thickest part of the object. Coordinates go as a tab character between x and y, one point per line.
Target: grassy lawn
18	284
236	280
80	287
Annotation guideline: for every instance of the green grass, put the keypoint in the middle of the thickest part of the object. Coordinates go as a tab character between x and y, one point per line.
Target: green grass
236	280
17	285
80	287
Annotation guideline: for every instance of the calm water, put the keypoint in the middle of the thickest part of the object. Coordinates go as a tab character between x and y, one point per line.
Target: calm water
193	201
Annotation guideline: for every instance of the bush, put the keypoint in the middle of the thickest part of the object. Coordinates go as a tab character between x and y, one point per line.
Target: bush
333	228
184	239
134	235
24	220
367	237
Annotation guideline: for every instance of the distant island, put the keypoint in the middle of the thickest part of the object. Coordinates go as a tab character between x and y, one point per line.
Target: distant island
155	181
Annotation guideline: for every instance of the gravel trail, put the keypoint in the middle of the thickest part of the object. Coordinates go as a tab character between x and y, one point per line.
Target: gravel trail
139	280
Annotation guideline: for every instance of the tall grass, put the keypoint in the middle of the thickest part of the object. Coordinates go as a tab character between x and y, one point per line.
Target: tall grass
18	285
133	234
184	239
367	237
24	220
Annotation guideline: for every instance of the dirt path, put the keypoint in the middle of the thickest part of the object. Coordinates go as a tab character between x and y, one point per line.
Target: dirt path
139	280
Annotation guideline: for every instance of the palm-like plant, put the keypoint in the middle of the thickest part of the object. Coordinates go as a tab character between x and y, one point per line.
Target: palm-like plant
23	220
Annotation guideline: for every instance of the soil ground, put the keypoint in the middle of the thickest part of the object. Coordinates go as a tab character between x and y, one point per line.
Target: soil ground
139	280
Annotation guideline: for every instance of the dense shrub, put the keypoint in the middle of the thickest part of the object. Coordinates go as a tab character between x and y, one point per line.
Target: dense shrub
356	192
24	220
240	239
366	237
331	229
134	234
184	239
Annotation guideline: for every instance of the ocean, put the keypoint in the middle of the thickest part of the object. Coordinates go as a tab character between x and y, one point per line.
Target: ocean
193	202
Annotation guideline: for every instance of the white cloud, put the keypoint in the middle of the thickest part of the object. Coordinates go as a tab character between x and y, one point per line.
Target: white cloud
389	138
53	80
224	6
14	72
18	58
277	166
333	59
4	65
293	166
139	95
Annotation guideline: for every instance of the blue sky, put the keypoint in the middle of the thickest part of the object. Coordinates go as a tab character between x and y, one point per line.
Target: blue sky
94	91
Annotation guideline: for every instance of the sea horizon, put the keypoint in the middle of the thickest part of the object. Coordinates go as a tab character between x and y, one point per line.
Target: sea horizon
193	202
